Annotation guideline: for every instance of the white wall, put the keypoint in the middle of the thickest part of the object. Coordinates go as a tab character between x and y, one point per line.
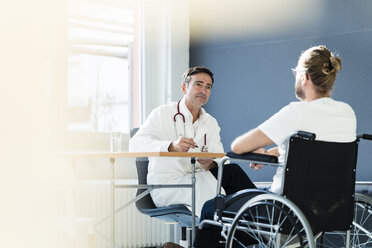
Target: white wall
32	66
165	51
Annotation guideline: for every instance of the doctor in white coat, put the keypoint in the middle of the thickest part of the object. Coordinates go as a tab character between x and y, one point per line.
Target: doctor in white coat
181	127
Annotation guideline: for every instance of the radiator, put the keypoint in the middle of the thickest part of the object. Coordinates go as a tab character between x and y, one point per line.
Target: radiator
132	229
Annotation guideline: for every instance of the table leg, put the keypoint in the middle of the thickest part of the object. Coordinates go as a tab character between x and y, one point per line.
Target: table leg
112	164
193	179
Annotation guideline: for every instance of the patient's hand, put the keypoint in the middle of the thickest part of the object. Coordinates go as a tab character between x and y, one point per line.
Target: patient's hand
206	163
273	152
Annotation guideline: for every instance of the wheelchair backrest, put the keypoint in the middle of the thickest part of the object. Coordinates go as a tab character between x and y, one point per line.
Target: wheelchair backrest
320	180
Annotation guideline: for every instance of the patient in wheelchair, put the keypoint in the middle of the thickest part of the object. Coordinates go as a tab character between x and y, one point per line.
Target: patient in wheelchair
315	112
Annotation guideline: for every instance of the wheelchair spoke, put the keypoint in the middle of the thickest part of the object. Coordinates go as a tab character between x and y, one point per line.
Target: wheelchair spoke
271	221
330	243
363	212
267	223
270	218
367	218
361	231
238	242
257	226
251	231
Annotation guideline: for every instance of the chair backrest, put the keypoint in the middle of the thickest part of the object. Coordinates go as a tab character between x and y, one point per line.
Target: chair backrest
133	131
177	213
142	169
320	180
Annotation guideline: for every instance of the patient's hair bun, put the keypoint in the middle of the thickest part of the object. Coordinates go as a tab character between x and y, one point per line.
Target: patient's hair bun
333	66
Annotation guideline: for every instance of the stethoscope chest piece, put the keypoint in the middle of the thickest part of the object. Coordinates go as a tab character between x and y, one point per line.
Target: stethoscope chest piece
204	147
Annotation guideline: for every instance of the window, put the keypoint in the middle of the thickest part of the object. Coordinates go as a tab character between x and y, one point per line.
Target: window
100	34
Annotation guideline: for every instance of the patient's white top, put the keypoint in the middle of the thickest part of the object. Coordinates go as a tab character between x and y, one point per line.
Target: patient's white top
330	120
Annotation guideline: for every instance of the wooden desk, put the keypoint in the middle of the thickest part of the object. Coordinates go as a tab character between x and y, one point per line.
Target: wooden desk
144	154
112	156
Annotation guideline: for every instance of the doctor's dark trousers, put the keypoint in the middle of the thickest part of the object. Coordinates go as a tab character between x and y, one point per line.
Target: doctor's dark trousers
234	179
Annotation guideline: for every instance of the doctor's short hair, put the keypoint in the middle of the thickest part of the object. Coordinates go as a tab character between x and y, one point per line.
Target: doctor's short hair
186	78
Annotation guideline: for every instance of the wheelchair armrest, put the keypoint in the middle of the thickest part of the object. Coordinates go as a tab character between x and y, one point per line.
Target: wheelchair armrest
246	157
254	157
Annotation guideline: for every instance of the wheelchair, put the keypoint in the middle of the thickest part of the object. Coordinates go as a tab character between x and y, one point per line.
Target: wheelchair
318	206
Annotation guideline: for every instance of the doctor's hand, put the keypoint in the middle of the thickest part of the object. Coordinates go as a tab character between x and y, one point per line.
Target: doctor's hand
206	163
183	144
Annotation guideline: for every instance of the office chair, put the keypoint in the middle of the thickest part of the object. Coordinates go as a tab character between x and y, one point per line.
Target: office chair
179	213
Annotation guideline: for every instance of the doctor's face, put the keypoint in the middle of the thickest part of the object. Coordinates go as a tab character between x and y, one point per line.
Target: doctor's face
198	90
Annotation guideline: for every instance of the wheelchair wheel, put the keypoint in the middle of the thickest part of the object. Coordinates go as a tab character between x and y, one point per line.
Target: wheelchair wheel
361	231
270	220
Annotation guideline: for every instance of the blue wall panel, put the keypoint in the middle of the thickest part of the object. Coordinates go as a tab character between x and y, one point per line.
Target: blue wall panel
253	79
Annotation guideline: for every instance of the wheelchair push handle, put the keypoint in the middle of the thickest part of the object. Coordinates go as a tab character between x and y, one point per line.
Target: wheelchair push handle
365	136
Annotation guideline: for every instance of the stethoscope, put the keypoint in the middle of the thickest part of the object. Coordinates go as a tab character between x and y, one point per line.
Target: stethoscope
177	118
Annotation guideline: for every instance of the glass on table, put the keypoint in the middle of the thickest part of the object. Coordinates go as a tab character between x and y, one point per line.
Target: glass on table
115	142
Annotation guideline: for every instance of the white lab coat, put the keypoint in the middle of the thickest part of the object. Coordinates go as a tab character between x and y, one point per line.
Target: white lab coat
156	134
